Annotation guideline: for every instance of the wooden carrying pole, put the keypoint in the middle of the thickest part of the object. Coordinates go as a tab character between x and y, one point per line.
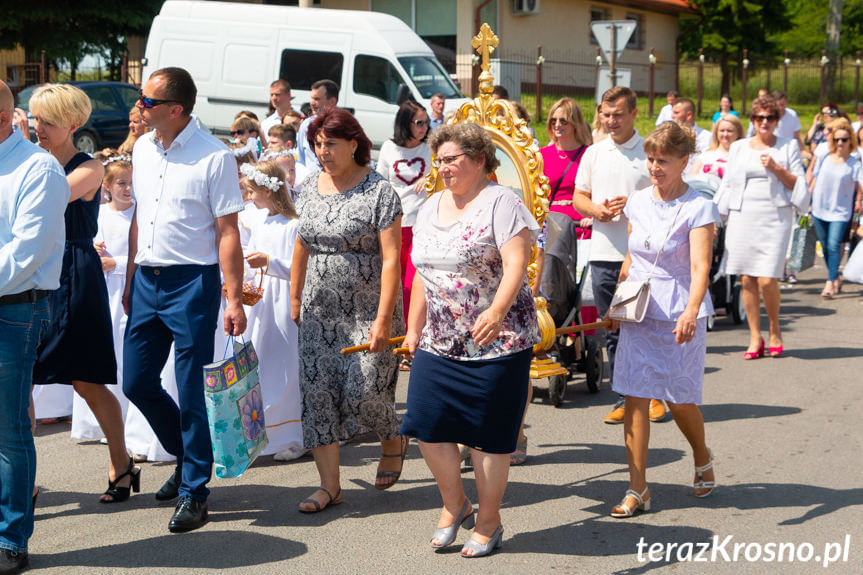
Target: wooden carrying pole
366	346
559	331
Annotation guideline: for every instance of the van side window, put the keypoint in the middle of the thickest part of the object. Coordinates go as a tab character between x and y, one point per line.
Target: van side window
302	68
376	77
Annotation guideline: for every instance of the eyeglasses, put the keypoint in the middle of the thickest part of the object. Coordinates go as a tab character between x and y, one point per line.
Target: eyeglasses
238	132
148	103
764	118
560	121
446	160
830	113
837	140
420	123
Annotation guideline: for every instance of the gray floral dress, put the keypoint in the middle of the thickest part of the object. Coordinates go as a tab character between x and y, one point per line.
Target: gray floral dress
344	396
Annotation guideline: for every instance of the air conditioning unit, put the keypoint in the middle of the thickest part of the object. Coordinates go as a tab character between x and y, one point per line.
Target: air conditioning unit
525	7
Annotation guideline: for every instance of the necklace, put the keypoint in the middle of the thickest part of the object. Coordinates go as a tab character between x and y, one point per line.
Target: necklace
335	190
647	239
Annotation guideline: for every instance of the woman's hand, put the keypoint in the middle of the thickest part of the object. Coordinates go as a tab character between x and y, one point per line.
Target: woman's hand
411	342
295	310
379	334
108	264
100	248
768	162
487	327
257	260
586	223
684	331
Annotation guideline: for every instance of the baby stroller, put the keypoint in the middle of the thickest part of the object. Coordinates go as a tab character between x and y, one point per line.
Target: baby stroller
578	353
725	291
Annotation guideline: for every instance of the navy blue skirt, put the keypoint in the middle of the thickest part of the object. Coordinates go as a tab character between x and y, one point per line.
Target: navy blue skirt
478	403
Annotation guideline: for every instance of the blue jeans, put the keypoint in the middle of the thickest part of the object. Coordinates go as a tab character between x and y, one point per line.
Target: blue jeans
22	326
604	279
177	304
830	235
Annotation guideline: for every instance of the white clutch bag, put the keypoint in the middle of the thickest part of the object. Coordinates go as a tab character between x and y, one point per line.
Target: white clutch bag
630	301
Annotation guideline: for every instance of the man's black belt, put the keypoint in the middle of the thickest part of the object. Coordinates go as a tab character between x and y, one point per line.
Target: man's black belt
29	296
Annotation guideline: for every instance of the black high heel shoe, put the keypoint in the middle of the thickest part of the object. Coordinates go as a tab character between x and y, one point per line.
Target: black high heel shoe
120	494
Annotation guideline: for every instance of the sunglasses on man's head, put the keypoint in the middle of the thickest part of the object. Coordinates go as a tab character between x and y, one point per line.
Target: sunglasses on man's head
148	103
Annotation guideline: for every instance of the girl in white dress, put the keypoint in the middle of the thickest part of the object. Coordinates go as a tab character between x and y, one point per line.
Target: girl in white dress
112	243
271	329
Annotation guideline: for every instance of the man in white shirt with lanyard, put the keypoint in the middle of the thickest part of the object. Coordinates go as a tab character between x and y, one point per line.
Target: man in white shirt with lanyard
184	228
610	170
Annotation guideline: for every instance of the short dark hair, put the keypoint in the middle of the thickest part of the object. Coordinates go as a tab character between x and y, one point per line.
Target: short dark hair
179	87
285	85
618	92
402	128
341	124
284	132
330	88
438	95
500	92
686	104
779	95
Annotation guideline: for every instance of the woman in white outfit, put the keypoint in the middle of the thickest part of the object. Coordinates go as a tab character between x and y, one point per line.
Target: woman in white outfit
756	195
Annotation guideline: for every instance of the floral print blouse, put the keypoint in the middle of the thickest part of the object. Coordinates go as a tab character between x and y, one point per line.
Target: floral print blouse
461	267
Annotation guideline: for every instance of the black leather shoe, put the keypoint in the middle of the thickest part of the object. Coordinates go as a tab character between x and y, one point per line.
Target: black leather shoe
171	488
189	515
12	562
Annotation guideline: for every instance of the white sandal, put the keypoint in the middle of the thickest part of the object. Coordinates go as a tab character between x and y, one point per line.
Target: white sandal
701	483
641	504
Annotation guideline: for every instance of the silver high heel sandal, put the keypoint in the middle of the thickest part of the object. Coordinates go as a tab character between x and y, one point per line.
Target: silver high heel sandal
446	535
480	549
641	504
701	483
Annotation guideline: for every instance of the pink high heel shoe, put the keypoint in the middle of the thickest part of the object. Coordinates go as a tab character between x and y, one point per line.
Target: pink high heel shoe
775	351
759	353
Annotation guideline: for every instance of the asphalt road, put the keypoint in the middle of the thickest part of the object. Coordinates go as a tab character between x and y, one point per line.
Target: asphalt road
782	430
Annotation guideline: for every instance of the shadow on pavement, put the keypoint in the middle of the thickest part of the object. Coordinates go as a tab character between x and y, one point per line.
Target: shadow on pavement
732	411
196	550
825	353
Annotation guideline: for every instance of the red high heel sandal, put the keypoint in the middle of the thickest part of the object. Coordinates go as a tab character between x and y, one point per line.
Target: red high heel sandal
759	353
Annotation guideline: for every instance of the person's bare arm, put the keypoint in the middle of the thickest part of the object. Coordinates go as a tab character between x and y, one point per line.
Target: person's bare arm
131	266
417	316
299	265
700	254
231	262
584	205
85	180
391	244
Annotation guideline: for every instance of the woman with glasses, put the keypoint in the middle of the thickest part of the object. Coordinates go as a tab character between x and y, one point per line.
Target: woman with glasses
246	131
471	331
756	196
404	162
79	346
836	196
818	133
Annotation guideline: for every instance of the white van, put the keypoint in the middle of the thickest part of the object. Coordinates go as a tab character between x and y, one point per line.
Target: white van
234	52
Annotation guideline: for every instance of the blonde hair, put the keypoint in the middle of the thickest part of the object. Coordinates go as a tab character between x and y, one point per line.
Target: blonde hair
574	116
61	105
246	123
129	143
113	169
280	198
842	124
731	119
670	139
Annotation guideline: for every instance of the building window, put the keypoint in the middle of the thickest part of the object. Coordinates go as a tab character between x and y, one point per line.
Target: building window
597	13
636	41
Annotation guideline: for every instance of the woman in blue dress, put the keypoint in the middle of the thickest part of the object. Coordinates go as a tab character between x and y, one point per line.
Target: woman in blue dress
79	346
670	244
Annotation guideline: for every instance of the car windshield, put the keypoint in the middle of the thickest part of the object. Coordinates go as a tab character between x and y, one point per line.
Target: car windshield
429	77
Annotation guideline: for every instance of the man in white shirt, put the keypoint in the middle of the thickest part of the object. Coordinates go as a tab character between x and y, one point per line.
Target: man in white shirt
436	116
325	94
665	113
33	197
184	228
683	113
610	170
280	99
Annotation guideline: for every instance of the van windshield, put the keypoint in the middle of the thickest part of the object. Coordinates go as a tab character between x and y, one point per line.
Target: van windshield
429	77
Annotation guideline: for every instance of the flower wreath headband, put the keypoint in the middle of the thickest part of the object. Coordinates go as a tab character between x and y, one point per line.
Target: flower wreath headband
260	178
113	159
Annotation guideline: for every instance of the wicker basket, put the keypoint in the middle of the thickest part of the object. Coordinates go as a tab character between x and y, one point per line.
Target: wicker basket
252	294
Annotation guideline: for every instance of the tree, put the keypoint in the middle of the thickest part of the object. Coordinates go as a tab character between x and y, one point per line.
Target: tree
834	25
726	27
68	31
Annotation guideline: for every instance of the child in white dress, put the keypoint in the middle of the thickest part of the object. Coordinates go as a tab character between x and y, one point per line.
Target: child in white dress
270	327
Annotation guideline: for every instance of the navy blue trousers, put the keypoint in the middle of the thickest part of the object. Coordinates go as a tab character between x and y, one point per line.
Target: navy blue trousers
178	304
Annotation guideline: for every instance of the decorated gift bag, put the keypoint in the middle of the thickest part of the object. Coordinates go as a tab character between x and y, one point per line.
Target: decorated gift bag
235	410
802	247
